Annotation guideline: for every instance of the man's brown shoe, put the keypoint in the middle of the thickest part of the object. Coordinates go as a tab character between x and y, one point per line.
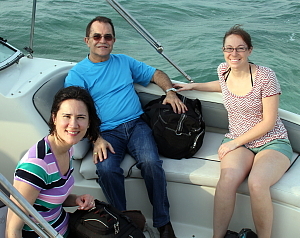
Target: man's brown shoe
166	231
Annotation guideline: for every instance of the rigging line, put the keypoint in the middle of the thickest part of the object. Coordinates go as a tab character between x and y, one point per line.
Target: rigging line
136	25
145	34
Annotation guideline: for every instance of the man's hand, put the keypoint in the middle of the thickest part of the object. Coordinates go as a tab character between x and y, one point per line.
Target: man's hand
100	150
163	81
177	105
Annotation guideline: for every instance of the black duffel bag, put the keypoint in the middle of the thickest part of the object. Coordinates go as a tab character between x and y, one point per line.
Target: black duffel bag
177	135
105	221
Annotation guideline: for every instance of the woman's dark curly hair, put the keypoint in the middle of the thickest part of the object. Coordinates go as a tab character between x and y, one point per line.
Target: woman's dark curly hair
80	94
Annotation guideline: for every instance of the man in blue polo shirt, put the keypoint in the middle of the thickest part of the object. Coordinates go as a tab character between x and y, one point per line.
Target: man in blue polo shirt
110	80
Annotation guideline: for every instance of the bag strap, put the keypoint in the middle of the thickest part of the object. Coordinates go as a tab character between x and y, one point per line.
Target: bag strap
159	106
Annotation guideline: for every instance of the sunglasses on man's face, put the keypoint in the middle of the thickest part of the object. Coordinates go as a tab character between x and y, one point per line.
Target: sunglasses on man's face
107	37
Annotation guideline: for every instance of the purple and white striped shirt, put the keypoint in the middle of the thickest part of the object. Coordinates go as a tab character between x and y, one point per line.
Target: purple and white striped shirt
39	168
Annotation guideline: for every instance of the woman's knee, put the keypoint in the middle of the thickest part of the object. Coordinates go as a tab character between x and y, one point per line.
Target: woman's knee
230	179
257	186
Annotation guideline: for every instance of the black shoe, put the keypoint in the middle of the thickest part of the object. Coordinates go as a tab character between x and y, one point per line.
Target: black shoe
231	234
247	233
166	231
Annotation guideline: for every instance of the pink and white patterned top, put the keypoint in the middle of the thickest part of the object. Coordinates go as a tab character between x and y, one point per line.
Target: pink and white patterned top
244	112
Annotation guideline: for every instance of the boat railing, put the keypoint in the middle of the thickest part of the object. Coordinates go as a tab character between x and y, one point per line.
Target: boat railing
145	34
42	228
30	48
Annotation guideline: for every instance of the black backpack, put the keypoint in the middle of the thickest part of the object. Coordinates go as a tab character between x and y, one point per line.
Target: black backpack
244	233
177	135
104	221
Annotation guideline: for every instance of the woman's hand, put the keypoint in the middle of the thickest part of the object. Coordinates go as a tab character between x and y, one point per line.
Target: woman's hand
183	86
226	147
85	202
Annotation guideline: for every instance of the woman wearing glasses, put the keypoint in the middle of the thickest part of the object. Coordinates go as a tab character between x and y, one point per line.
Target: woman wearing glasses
257	144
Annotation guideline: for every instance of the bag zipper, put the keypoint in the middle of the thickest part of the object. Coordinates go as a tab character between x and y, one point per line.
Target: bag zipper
196	139
86	220
116	225
179	127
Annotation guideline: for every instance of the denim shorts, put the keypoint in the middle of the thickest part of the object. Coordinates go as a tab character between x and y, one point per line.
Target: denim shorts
281	145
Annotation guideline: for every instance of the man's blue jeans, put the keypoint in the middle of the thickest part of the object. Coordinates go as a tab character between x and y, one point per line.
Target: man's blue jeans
134	137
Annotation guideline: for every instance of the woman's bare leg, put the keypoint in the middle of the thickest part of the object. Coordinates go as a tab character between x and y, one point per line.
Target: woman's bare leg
268	167
235	167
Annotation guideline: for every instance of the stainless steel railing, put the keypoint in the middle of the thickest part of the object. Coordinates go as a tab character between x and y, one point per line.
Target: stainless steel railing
145	34
30	48
43	228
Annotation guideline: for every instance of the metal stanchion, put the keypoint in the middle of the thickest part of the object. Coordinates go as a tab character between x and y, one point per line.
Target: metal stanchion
43	228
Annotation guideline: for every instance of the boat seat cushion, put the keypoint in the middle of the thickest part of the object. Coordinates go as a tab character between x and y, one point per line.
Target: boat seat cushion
204	169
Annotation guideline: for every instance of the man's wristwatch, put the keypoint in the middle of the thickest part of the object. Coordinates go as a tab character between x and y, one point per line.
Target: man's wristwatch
171	89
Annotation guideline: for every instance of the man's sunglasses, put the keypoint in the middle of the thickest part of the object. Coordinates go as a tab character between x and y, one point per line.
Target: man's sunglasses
107	37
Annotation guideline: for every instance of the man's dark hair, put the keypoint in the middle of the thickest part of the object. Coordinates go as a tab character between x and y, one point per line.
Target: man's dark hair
99	19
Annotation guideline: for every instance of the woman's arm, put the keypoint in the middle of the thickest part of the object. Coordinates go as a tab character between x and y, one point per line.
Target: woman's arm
270	112
213	86
14	224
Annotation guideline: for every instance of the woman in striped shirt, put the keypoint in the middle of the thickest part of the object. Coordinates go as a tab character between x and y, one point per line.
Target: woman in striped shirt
257	144
44	174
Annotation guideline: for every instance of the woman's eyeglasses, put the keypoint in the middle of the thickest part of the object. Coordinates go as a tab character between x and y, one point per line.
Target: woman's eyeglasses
238	49
107	37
